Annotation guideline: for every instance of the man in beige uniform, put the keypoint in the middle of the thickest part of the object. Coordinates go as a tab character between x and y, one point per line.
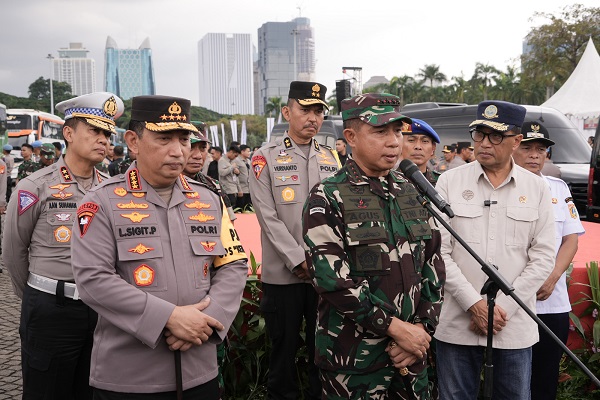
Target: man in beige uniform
157	257
505	215
284	171
56	326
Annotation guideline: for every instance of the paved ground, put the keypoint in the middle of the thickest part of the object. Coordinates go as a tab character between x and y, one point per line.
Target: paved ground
10	349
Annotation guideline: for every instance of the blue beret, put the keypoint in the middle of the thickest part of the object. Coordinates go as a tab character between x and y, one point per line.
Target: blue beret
7	147
37	143
420	127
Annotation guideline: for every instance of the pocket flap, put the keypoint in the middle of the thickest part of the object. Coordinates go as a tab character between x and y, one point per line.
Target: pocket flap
522	213
210	246
467	210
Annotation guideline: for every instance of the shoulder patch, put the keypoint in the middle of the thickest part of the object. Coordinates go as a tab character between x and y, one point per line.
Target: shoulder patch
85	215
26	200
258	164
317	202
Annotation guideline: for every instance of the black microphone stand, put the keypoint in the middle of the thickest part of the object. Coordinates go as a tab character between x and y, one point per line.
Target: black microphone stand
494	283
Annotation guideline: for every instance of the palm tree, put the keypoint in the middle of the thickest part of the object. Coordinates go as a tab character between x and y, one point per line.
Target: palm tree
459	88
398	85
431	73
506	86
483	75
274	104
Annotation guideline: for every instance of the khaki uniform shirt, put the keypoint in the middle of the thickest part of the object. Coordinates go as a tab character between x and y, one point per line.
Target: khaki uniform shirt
515	233
39	220
10	163
281	180
456	162
243	177
134	259
227	178
4	174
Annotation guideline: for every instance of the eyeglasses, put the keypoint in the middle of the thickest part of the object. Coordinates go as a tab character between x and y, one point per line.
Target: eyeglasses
494	137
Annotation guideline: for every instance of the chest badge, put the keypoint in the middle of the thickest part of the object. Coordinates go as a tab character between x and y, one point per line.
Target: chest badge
193	195
62	234
201	217
61	193
143	275
523	199
288	194
63	217
139	195
208	246
140	249
135	216
132	205
120	191
197	205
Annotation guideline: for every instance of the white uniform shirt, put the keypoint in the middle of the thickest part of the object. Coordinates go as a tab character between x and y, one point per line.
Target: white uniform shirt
566	222
514	232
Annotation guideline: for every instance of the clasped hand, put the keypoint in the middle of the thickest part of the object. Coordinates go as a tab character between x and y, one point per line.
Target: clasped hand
409	345
188	326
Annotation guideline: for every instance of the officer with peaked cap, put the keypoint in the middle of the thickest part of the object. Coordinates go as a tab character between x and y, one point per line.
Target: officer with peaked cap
420	141
157	257
553	303
375	262
505	214
56	326
283	173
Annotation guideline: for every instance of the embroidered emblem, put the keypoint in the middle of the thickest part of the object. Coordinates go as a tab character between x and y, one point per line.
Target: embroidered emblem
65	174
284	159
140	249
201	217
406	127
572	210
184	183
134	180
2	169
258	163
110	107
554	200
315	210
174	111
61	193
361	203
287	142
193	195
282	153
288	194
63	217
208	246
197	205
135	216
143	275
85	215
315	90
133	205
205	269
138	195
26	200
325	159
523	199
490	112
120	191
62	234
284	178
468	194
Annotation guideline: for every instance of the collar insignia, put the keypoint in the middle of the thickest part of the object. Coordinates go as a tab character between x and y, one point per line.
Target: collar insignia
287	142
184	183
66	174
134	180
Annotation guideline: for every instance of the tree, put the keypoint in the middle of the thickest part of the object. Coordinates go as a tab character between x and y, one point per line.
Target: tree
554	49
273	104
483	75
398	86
40	90
431	73
506	86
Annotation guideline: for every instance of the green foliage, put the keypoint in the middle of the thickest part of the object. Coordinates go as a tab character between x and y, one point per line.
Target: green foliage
574	384
40	90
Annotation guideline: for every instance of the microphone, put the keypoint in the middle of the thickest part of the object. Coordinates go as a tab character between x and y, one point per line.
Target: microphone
411	171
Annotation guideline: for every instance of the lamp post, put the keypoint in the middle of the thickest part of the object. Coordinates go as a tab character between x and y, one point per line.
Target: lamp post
49	57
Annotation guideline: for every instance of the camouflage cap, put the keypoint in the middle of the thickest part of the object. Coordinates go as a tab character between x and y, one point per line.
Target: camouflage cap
375	109
198	137
47	151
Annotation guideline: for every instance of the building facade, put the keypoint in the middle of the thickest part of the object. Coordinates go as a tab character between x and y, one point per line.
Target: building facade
286	52
225	73
128	72
73	67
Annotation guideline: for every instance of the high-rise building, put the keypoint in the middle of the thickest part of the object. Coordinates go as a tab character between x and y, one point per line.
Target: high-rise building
73	66
286	52
128	72
225	73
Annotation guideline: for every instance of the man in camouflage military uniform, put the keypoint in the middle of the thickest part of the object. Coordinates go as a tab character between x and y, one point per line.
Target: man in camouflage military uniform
28	166
56	326
375	261
419	145
284	171
47	155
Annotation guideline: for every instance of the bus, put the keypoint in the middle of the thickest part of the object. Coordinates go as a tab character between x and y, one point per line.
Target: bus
3	138
27	126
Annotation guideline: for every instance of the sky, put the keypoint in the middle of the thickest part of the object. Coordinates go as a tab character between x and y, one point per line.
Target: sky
386	37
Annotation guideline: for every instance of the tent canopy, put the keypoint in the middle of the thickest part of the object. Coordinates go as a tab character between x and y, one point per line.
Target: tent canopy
580	95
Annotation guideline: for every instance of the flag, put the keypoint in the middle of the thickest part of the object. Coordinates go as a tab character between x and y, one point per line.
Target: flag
214	133
279	118
223	132
233	124
244	134
270	124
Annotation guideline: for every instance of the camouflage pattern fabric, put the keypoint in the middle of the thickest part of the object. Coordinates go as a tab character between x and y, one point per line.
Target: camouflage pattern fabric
102	167
374	254
124	165
380	385
27	168
432	176
214	186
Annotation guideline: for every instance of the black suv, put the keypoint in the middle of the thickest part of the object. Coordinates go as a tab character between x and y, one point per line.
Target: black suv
571	153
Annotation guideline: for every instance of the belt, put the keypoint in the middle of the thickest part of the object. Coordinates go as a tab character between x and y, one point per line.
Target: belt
48	285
